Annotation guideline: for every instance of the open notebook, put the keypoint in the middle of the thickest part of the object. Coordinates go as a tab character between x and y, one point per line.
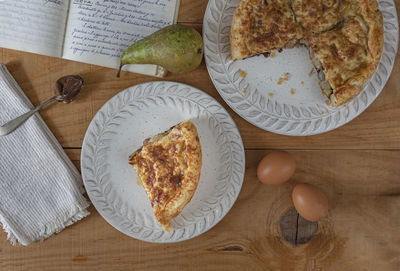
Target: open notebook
89	31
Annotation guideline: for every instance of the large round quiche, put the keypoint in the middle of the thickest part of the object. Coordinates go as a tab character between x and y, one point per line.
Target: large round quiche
344	37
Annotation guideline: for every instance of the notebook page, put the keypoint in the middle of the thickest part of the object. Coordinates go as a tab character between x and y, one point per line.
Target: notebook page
35	26
99	31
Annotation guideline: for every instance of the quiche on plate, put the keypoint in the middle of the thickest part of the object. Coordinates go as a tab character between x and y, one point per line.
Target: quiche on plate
168	165
344	37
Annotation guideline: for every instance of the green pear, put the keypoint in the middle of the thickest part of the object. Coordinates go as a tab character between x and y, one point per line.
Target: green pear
177	48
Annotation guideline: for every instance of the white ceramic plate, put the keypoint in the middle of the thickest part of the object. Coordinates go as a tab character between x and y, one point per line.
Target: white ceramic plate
143	111
278	108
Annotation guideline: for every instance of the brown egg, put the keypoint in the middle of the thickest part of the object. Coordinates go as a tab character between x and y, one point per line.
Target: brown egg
276	168
310	202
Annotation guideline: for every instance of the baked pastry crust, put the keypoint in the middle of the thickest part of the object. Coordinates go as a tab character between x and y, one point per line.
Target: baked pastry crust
345	38
317	15
169	166
350	54
261	26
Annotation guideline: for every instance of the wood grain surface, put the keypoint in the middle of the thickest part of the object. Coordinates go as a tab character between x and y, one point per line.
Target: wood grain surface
356	166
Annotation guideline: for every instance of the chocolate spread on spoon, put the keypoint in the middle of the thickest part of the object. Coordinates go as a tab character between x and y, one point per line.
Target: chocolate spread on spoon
68	87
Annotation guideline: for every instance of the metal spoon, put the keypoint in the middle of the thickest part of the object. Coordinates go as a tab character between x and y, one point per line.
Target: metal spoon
15	123
67	88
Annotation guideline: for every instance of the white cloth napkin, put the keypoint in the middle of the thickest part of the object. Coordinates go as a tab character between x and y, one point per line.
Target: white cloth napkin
40	189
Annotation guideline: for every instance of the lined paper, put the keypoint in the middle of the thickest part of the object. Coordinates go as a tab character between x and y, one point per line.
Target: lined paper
35	26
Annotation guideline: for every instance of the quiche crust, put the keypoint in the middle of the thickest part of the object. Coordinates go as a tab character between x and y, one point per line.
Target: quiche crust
350	54
261	26
316	16
169	166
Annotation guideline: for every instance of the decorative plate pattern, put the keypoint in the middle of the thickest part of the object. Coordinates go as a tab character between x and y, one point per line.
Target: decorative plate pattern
142	111
295	107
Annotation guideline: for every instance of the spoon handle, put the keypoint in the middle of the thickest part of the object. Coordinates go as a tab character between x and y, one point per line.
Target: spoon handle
14	123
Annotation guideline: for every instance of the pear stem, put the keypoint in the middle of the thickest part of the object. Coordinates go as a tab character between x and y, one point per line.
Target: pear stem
119	70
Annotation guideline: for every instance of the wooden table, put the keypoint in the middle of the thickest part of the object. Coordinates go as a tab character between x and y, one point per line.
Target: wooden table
357	166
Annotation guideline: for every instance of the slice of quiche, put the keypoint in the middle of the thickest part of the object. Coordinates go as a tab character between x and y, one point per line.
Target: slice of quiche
260	26
347	56
168	166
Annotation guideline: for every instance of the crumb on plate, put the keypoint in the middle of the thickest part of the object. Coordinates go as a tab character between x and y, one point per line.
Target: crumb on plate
292	91
242	74
283	79
270	94
311	72
244	91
